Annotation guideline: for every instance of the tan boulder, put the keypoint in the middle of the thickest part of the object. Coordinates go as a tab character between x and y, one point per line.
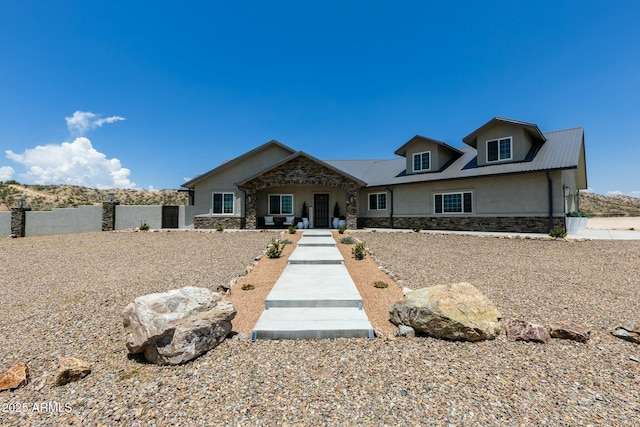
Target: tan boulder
628	332
569	331
71	369
15	377
457	311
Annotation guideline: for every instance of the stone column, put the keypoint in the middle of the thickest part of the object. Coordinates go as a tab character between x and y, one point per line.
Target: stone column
251	221
352	209
18	221
109	215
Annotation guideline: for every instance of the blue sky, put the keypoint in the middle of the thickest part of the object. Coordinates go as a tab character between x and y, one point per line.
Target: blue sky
148	94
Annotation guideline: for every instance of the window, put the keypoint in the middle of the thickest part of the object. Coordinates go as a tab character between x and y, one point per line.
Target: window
280	204
499	149
377	201
452	203
422	161
223	203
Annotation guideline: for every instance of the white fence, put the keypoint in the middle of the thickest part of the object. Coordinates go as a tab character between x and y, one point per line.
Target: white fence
89	218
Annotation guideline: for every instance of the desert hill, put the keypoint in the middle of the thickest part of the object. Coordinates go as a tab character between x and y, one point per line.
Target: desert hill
46	197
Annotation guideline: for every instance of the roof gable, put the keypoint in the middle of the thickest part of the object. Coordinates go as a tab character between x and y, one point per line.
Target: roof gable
230	163
403	150
531	128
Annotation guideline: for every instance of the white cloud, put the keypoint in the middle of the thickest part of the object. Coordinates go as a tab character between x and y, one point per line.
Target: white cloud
83	121
73	163
152	188
620	193
6	173
614	193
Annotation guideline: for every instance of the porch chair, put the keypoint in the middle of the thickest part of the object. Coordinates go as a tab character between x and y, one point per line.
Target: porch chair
268	221
289	220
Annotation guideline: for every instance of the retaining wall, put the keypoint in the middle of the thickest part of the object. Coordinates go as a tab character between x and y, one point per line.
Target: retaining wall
82	219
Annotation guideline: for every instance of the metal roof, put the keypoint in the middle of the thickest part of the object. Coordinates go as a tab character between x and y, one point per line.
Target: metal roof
532	128
561	150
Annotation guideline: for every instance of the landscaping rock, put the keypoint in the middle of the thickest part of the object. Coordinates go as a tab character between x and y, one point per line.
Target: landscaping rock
71	369
405	331
15	377
455	311
176	326
520	330
569	331
628	332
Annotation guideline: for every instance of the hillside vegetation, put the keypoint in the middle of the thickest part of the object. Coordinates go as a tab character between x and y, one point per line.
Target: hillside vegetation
46	197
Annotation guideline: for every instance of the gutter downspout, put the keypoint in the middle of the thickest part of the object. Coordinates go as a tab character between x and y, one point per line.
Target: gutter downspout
391	212
550	188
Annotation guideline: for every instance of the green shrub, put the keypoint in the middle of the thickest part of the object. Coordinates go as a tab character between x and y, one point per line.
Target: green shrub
292	229
380	284
219	227
341	230
248	287
578	214
144	226
286	242
417	228
557	233
275	249
347	240
359	252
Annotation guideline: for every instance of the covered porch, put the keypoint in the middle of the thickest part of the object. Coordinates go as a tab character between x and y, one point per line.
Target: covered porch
300	180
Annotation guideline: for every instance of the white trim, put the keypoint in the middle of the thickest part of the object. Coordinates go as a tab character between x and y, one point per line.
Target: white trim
446	193
280	195
413	161
510	138
233	206
377	201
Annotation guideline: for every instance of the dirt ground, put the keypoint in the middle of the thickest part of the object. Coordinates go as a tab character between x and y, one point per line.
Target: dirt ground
621	223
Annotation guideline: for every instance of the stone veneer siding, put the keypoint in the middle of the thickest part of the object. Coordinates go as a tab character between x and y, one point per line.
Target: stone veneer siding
305	171
18	221
466	223
109	215
210	222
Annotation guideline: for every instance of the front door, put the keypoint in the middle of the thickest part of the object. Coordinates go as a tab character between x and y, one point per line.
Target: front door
321	210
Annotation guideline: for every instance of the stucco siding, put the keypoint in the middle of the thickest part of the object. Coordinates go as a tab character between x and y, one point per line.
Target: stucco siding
225	179
521	142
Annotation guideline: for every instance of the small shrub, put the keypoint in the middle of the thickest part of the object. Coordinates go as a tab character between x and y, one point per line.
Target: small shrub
380	284
557	233
144	226
359	252
275	249
417	228
292	229
374	230
341	230
248	287
347	240
219	227
286	242
578	214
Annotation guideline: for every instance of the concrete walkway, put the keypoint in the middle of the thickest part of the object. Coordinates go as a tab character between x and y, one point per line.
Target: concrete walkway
314	297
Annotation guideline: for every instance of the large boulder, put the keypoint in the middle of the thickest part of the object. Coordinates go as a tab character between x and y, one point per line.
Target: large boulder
456	311
176	326
15	377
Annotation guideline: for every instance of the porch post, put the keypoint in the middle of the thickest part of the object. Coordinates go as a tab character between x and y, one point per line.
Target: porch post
351	203
250	209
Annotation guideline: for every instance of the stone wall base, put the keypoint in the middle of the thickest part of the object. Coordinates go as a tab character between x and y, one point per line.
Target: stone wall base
526	224
211	222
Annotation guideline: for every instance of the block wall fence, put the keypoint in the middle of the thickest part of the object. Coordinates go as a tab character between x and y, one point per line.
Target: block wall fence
23	222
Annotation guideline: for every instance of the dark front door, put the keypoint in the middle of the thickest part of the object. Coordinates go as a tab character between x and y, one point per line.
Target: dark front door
321	210
170	216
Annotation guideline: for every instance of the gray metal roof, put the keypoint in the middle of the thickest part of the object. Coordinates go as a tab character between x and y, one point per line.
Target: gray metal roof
560	151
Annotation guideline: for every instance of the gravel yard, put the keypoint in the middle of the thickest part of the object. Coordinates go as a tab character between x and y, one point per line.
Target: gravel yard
63	296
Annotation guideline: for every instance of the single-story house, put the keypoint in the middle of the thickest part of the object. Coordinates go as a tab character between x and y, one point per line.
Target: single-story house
509	176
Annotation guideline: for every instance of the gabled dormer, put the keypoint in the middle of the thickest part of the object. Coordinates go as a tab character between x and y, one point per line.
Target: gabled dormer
425	155
505	141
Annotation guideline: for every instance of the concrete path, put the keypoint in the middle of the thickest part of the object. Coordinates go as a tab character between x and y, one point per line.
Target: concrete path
315	296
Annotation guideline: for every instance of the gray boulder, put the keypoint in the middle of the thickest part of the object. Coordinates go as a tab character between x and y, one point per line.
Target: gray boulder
456	311
176	326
